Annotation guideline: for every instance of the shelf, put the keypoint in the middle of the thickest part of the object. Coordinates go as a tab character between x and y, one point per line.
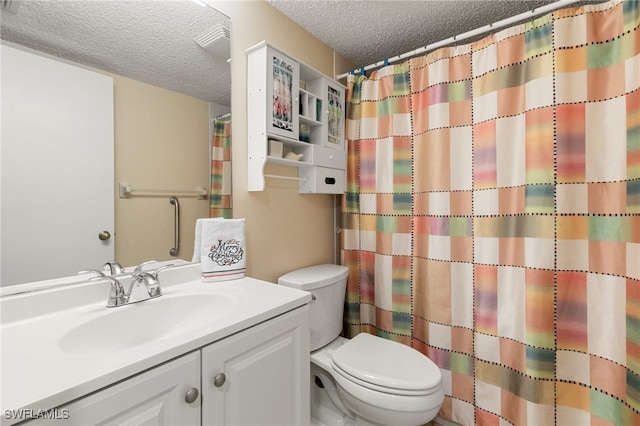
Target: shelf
285	162
310	106
290	142
310	121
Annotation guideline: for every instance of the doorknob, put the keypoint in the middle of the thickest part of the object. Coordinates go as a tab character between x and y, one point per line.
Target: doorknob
104	235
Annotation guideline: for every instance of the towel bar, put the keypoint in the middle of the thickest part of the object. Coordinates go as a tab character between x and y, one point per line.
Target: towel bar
285	177
125	191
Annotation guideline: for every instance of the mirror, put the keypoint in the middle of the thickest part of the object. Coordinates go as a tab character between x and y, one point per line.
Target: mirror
178	45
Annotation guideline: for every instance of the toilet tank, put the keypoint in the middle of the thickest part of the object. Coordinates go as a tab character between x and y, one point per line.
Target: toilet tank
327	284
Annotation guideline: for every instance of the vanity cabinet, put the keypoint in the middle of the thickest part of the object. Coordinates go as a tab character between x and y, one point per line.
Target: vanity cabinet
258	376
153	397
292	108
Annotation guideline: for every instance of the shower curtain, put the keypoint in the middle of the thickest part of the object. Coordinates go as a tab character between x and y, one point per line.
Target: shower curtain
220	194
492	217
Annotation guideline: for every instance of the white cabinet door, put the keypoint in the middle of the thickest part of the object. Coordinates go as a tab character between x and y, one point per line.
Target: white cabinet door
332	113
57	168
156	397
282	94
335	114
259	376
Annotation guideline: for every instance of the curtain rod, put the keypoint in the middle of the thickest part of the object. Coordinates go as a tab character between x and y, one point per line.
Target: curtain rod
221	116
496	25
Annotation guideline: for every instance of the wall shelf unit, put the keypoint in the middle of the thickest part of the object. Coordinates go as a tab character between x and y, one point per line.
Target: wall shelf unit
296	119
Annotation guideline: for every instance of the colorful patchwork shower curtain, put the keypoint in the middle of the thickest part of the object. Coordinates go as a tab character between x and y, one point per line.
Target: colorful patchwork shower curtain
492	217
220	194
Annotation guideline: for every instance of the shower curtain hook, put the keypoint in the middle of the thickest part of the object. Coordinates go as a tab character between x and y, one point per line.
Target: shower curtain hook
362	71
386	62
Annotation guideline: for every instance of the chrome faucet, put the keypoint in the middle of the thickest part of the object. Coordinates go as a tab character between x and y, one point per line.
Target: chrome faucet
144	285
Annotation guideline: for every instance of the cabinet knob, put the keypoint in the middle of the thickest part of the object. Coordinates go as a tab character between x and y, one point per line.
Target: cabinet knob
219	380
191	395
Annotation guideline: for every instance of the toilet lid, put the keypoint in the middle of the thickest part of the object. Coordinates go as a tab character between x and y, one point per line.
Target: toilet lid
386	363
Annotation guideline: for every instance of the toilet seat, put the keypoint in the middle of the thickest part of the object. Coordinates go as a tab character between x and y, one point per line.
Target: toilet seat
395	369
383	389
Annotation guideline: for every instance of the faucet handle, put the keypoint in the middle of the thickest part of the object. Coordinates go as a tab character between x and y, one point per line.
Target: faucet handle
117	295
154	274
140	266
114	268
150	282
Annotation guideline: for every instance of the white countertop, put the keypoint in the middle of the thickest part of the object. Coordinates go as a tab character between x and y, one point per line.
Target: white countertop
38	374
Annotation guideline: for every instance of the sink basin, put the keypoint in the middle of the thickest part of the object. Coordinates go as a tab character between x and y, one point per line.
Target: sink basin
132	325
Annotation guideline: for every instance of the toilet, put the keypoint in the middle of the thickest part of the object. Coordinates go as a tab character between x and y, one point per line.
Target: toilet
366	380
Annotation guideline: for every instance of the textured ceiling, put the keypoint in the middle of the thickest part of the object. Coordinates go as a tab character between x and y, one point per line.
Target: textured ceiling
153	40
150	41
366	32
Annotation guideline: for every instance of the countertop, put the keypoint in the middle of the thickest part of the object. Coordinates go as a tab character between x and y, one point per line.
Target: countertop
39	374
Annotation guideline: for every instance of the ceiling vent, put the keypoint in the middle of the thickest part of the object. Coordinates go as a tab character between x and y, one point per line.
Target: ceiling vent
216	41
10	5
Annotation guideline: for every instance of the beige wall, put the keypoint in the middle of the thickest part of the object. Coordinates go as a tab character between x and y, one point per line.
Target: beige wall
285	230
161	142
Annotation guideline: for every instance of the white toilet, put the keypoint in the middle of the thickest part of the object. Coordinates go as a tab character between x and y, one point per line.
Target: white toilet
367	380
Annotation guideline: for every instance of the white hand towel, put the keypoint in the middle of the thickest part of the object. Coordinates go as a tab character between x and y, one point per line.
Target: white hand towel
222	249
198	239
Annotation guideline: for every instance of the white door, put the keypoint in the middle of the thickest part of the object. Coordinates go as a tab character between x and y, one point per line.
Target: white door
57	168
259	376
166	395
